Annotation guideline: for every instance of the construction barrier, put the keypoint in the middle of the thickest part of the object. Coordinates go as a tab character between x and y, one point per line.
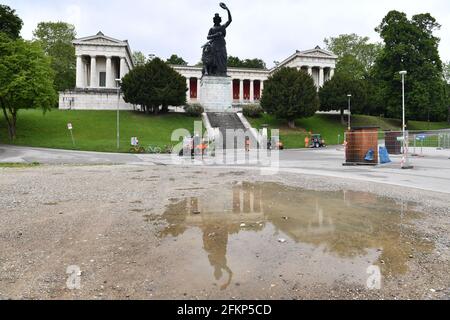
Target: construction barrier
364	146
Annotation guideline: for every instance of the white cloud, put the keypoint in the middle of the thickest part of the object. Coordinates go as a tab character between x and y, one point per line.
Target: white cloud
73	15
266	29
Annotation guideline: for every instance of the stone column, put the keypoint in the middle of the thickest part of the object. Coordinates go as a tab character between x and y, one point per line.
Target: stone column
261	88
310	70
123	66
241	90
86	75
80	72
321	76
252	90
188	92
94	80
199	83
331	73
109	74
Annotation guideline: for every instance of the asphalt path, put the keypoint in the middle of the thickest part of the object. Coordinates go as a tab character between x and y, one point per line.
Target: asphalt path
430	172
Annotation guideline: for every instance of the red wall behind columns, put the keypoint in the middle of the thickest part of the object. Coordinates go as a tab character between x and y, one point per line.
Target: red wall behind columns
236	92
246	89
193	86
257	85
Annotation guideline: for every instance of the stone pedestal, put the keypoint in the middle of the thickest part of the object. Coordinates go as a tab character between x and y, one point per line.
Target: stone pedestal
215	94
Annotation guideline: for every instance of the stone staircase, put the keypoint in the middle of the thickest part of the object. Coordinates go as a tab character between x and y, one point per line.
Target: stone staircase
224	121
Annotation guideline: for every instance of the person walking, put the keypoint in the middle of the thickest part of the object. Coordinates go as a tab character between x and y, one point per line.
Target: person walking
307	142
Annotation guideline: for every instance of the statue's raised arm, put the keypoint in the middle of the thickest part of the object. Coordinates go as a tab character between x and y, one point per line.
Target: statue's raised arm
214	56
230	19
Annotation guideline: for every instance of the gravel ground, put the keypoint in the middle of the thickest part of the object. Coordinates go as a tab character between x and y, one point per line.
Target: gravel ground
106	220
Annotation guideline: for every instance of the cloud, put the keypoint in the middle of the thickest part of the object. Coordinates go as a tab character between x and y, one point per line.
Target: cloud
267	29
73	15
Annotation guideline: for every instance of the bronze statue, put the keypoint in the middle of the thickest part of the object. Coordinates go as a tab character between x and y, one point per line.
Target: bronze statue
215	55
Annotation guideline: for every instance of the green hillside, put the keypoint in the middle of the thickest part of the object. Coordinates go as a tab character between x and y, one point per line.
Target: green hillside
96	130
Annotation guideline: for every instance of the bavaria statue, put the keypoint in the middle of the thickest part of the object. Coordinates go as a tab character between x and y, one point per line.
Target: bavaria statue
215	56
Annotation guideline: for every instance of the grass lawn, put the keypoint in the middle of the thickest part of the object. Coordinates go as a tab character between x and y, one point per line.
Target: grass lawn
93	130
96	130
329	126
18	165
331	129
424	125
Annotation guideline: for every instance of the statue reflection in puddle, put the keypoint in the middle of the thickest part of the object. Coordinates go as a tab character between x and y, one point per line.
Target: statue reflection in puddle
217	222
215	241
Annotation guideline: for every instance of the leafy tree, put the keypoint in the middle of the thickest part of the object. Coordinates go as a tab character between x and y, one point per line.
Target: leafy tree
154	85
247	63
10	23
254	63
176	60
375	105
56	40
234	62
334	94
410	45
26	79
290	94
356	55
139	58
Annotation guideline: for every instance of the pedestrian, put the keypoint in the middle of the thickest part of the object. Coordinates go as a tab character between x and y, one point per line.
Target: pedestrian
306	141
192	146
247	144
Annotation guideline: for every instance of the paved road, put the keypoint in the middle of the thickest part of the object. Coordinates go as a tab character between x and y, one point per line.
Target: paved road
431	172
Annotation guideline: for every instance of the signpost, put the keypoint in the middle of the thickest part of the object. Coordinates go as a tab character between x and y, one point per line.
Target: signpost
70	127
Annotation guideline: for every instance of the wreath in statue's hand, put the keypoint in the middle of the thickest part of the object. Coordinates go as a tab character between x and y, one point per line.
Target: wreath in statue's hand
223	6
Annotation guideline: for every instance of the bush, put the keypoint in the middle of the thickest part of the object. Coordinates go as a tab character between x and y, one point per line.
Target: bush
194	110
290	94
252	111
155	86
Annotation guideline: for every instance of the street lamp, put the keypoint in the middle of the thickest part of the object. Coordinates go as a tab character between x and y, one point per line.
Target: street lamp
349	96
118	81
405	162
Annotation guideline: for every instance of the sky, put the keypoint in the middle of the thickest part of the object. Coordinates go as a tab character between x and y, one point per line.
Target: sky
268	29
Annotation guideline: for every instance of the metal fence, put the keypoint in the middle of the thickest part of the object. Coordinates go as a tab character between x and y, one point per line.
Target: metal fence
369	146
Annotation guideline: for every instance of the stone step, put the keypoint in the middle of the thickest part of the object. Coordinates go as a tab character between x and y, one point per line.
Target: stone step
224	121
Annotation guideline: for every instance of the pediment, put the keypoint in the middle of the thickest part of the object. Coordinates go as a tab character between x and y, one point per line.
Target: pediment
100	38
317	53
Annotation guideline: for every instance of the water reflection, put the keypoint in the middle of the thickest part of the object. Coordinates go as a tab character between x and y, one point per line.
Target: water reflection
345	224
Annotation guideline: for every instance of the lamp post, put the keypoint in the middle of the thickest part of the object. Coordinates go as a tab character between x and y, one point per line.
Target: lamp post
118	81
349	96
405	162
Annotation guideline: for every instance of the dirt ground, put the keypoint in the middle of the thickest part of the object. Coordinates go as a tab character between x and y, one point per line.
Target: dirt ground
166	232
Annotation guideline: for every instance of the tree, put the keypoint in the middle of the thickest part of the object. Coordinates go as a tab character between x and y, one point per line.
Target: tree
290	94
356	55
26	79
334	94
410	45
10	23
176	60
254	63
235	62
139	58
56	40
154	85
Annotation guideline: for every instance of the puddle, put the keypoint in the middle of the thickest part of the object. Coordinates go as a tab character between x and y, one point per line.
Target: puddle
260	232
